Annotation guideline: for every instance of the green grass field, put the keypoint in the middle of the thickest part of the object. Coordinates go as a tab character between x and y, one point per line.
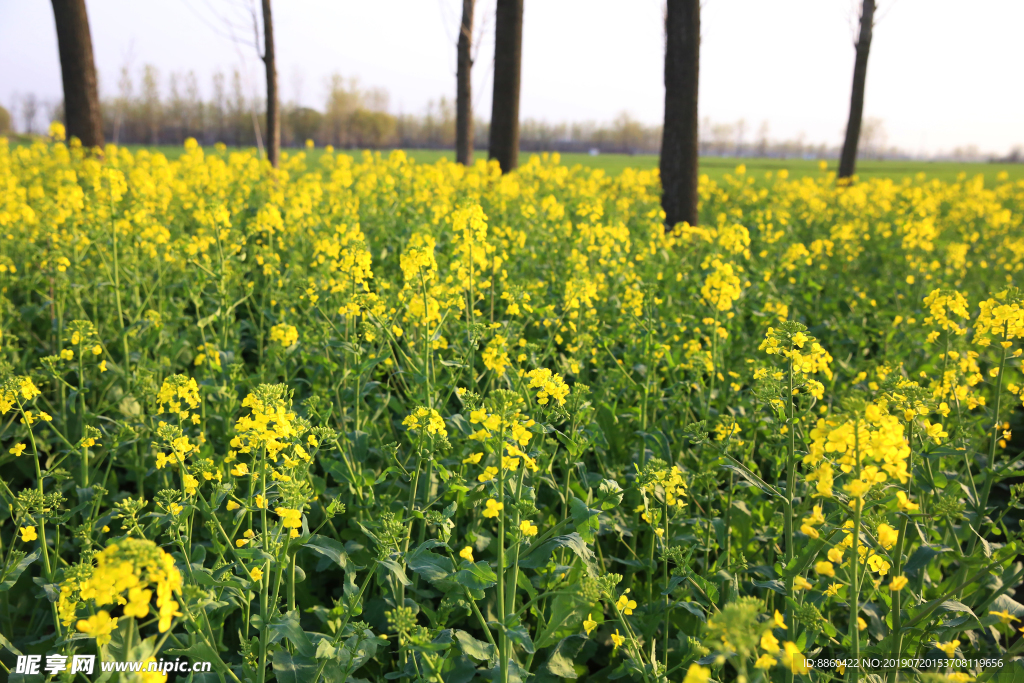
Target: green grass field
716	167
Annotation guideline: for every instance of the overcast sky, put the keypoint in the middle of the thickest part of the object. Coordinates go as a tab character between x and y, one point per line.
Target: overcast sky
942	73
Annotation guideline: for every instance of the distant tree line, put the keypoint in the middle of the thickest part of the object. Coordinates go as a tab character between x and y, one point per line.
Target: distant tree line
150	108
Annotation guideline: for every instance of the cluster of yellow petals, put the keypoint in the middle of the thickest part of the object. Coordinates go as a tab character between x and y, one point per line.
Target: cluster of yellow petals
134	566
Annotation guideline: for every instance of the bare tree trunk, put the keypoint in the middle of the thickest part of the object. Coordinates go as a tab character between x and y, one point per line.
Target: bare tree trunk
508	54
273	113
679	135
848	162
463	92
78	71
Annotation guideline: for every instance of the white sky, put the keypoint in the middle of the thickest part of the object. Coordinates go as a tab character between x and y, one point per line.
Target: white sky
942	73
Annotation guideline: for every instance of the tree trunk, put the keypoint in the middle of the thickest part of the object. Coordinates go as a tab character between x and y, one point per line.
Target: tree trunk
273	113
679	135
78	71
848	162
463	91
508	53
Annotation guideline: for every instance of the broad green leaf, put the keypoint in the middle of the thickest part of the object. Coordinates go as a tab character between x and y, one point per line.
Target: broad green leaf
476	649
538	557
287	626
332	549
561	661
290	668
610	494
478	576
398	572
430	566
585	518
12	574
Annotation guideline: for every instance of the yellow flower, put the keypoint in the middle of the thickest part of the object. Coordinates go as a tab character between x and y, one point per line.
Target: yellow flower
138	602
290	519
528	528
833	589
779	623
240	469
103	366
949	648
98	626
472	459
800	584
861	624
825	569
261	502
17	450
898	583
232	505
617	639
256	573
28	533
697	674
904	504
625	605
589	624
1004	616
466	553
770	643
959	677
794	659
489	473
493	508
765	662
887	536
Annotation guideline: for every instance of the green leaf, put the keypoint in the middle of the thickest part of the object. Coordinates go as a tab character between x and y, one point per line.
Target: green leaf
561	661
6	644
567	613
197	651
752	478
520	635
920	559
693	608
398	572
332	549
478	576
710	589
12	574
538	557
430	566
287	626
357	650
475	648
290	668
1004	603
585	518
611	494
772	584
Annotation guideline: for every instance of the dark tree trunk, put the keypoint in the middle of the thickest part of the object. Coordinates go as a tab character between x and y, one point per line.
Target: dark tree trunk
78	71
848	162
463	92
508	53
273	113
679	136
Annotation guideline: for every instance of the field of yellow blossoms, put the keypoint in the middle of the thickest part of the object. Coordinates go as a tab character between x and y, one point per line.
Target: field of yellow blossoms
372	420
